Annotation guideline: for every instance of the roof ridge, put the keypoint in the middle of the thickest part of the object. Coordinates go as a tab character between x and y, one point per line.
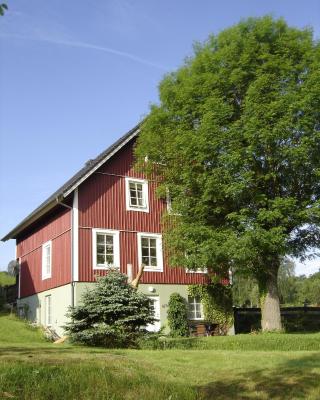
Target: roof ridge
63	191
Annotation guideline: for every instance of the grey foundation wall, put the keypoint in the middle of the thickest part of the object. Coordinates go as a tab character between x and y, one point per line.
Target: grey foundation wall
35	310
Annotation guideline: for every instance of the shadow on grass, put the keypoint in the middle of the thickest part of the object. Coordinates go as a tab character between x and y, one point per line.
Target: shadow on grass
294	379
62	353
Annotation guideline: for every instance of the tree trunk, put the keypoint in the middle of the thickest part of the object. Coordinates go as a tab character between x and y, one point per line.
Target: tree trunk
270	302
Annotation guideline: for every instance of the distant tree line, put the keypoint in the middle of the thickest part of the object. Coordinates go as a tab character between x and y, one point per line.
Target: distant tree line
293	290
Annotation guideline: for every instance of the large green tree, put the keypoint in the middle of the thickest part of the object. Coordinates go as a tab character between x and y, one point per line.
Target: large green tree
235	139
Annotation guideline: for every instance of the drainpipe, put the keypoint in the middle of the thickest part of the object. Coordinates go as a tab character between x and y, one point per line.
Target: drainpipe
72	255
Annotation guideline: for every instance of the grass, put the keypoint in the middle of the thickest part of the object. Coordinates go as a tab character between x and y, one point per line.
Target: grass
224	368
247	342
6	280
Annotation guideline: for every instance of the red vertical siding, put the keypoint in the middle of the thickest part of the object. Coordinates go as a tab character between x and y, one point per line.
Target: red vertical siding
102	204
29	250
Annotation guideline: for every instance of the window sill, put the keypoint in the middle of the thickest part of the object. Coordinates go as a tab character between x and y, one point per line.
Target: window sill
141	209
46	277
106	267
146	269
189	271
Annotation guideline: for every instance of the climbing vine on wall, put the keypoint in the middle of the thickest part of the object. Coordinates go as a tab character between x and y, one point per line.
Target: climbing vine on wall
217	303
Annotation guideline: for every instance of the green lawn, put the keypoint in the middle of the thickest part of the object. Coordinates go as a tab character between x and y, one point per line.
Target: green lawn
229	368
6	279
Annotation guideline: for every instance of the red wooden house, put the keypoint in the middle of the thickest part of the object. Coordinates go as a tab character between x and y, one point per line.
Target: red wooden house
106	214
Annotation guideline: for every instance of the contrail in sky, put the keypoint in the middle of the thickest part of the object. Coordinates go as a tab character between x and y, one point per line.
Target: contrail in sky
91	47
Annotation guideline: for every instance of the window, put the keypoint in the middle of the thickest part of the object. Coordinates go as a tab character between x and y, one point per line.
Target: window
155	327
46	260
137	195
48	310
150	251
105	245
169	200
195	308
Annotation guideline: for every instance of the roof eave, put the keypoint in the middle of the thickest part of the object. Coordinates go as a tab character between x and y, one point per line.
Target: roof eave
28	221
42	210
98	165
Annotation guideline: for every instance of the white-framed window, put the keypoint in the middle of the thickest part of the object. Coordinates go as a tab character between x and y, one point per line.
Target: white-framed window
150	251
48	310
137	198
195	308
155	327
47	260
105	249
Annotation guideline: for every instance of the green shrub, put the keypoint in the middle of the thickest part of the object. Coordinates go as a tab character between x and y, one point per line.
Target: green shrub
113	314
178	316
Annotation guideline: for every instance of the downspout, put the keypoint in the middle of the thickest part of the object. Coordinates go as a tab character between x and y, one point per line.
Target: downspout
72	244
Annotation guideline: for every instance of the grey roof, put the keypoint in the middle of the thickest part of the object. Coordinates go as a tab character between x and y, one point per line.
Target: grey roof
72	183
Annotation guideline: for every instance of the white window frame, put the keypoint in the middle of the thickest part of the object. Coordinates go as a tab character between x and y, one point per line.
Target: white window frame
116	248
197	271
145	192
45	273
48	309
201	310
155	327
158	238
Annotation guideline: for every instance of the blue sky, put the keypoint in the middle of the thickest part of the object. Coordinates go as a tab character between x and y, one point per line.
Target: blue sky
76	75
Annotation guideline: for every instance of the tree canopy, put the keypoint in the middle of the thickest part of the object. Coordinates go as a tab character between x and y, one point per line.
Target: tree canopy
235	139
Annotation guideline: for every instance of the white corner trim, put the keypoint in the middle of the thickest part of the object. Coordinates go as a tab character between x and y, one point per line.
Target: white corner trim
158	237
145	188
75	236
134	134
19	281
116	248
45	275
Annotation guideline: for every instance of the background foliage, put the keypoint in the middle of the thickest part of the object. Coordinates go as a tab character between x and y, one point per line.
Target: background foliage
293	290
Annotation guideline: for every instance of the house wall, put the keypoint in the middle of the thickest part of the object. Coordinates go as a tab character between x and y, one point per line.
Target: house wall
163	291
29	250
102	204
34	310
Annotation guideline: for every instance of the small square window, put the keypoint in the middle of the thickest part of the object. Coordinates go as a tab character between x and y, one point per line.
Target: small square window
137	195
150	251
46	260
105	245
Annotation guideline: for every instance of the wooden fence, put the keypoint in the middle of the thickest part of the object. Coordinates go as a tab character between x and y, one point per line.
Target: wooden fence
294	319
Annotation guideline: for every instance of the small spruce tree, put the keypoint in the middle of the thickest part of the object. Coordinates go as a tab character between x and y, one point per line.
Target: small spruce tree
113	314
178	316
